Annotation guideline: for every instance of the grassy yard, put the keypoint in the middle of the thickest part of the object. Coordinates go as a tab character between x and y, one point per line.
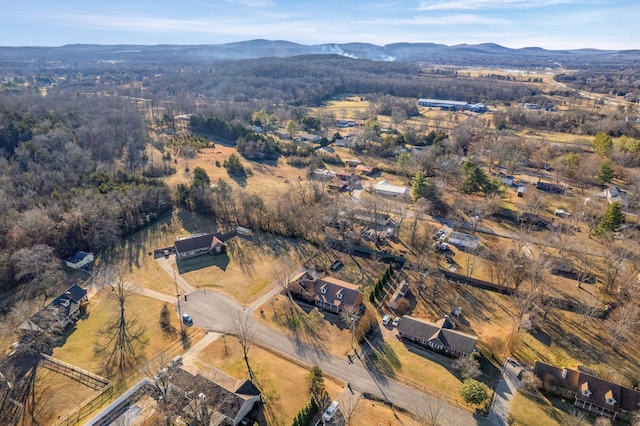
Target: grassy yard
370	412
54	396
527	409
283	383
250	266
78	348
318	328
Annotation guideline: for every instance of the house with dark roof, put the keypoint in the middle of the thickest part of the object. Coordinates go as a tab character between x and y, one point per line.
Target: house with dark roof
327	293
64	310
365	170
196	245
205	397
440	337
79	260
590	392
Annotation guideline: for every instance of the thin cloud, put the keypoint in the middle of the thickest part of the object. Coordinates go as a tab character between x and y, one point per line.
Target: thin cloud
154	24
448	20
252	3
487	4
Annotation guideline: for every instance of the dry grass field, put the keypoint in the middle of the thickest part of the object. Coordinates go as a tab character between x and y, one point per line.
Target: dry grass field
78	349
316	327
250	266
283	383
368	413
527	409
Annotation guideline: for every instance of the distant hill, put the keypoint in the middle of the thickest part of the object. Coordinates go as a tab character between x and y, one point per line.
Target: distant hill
488	54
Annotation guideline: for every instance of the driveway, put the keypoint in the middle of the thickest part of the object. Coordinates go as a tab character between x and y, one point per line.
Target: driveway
504	394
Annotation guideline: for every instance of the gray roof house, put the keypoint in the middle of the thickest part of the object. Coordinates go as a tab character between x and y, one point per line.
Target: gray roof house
327	293
65	309
211	398
196	245
440	336
590	393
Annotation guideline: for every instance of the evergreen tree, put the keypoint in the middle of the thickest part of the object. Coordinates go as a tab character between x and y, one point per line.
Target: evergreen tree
613	218
419	185
605	173
473	392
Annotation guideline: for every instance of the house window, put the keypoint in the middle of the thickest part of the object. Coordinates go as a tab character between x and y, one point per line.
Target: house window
340	294
218	249
611	401
586	392
323	289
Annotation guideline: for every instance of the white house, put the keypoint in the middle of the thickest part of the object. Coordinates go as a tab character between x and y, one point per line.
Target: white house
79	260
459	239
385	188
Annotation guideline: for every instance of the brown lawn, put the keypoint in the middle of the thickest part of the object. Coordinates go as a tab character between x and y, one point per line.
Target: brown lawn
54	396
250	266
316	327
370	412
283	383
78	348
527	409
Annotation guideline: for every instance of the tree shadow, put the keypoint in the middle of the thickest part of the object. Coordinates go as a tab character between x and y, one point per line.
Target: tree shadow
205	261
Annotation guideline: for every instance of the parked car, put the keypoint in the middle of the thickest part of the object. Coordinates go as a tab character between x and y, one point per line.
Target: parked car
386	319
396	321
186	318
328	414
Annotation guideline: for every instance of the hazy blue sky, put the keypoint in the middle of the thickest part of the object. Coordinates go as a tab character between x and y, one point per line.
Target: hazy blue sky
554	24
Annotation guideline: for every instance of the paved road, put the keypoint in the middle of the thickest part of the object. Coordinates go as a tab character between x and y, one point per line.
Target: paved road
504	394
215	311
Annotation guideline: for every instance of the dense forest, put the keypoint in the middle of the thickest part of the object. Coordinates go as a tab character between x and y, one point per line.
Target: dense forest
71	175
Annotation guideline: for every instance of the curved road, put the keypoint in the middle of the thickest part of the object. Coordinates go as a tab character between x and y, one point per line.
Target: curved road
215	312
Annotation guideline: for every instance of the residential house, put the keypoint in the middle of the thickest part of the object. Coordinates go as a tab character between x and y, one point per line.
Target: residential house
309	137
322	174
336	184
372	218
440	336
615	195
387	189
590	393
459	239
207	398
79	260
550	187
196	245
61	312
327	293
344	176
365	170
528	105
345	123
352	162
400	292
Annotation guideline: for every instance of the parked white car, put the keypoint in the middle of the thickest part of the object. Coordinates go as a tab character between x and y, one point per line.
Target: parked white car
328	414
386	319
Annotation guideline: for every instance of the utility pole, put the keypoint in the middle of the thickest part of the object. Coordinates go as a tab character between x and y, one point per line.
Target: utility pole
175	281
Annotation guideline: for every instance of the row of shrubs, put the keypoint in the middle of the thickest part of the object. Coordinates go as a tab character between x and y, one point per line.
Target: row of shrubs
378	289
306	413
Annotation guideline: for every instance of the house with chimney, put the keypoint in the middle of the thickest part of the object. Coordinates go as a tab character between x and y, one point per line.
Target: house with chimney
327	293
589	392
63	311
199	244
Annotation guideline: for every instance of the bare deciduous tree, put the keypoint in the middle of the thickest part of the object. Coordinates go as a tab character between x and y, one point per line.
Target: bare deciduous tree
245	332
123	334
468	367
623	323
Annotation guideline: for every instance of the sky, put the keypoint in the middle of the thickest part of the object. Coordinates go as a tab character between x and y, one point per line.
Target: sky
551	24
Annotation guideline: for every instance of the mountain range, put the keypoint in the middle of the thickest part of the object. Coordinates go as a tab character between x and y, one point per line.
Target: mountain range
461	54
